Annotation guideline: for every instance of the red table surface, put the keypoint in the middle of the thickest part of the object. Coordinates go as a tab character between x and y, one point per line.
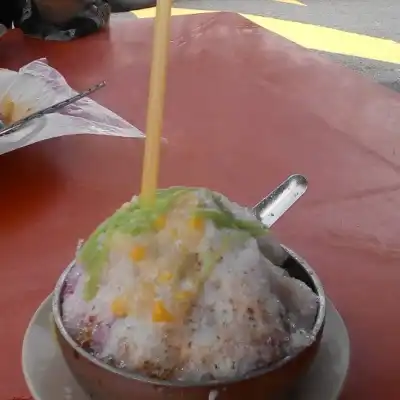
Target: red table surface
245	109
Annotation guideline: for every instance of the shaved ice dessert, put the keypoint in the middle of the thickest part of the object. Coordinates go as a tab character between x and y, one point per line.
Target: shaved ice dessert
189	289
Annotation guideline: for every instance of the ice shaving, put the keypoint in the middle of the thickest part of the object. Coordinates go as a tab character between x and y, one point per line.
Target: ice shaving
190	288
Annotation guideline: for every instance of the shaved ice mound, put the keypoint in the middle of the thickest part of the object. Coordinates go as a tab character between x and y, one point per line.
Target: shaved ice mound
188	289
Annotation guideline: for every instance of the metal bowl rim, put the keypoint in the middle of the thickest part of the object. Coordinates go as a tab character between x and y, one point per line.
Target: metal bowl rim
318	325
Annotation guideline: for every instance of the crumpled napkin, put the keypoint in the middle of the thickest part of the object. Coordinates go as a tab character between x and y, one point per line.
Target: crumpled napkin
37	86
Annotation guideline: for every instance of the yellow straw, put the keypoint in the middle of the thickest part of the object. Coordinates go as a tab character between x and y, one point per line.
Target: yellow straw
156	99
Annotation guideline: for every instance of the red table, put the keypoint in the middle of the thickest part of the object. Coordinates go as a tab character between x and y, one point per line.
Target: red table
245	109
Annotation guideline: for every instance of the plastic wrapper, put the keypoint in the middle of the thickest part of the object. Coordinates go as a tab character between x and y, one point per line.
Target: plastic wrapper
37	86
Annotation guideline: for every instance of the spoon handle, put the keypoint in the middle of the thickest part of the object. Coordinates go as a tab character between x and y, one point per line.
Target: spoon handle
272	207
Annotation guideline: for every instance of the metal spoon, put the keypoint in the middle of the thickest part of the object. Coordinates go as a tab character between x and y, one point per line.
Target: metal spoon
272	207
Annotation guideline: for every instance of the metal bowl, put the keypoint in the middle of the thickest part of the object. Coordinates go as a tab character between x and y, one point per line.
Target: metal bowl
104	382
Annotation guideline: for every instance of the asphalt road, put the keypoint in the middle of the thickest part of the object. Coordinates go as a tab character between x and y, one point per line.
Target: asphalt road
378	18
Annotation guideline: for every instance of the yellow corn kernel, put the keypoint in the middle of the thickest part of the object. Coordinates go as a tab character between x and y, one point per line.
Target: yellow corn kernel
160	313
165	277
183	295
138	253
119	307
197	223
160	222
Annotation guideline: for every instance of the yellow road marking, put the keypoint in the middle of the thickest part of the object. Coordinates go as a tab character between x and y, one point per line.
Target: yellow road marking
331	40
298	3
151	12
314	37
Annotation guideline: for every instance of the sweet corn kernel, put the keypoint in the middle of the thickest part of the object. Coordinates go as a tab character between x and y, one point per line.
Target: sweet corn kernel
160	313
138	253
183	295
160	222
197	223
119	307
165	277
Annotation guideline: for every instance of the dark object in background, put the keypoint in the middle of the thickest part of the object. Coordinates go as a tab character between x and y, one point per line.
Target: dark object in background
62	20
10	11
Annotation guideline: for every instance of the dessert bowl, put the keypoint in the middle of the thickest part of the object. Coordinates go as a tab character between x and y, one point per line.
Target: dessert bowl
104	382
103	378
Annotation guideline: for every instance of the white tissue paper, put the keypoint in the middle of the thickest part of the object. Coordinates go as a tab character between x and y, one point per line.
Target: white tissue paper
37	86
